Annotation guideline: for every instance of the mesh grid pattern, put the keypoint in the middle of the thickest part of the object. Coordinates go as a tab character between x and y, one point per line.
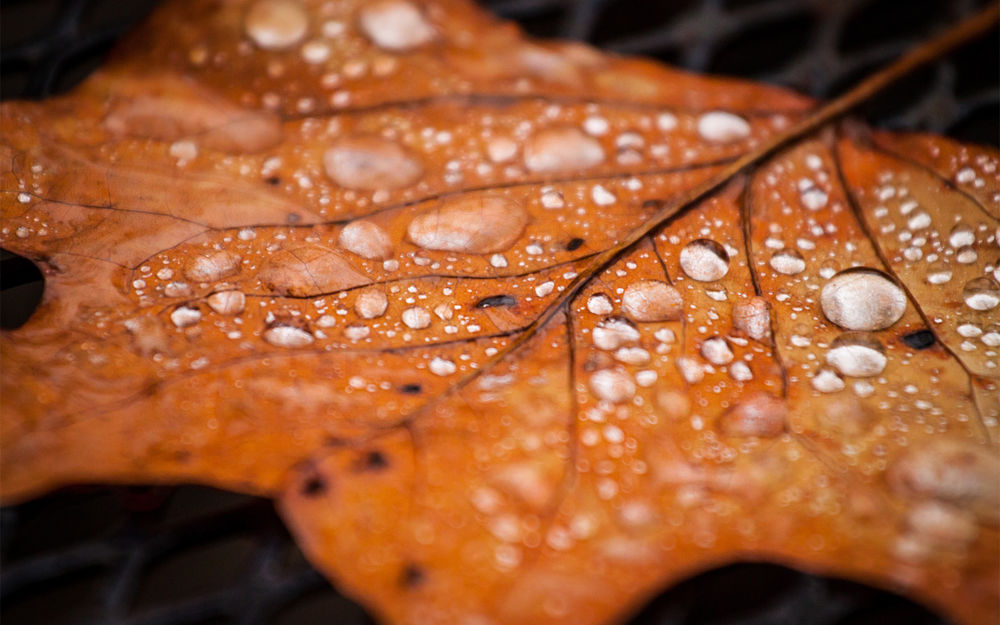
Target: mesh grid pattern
197	556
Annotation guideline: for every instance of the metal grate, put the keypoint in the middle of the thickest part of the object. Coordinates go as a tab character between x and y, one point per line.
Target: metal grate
197	556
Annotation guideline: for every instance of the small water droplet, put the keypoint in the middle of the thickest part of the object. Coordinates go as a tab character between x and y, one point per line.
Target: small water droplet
961	235
416	318
651	300
371	163
227	302
612	385
442	367
562	149
276	24
716	351
184	316
938	272
788	262
366	239
371	304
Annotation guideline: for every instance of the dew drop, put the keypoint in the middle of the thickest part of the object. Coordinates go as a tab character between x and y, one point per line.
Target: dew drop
961	235
416	318
276	24
723	127
227	302
470	224
366	239
651	300
857	354
442	367
753	317
760	415
827	381
371	304
814	198
396	25
612	385
562	149
862	299
212	267
289	336
966	255
369	163
184	316
612	333
716	351
938	272
704	260
788	262
981	294
599	304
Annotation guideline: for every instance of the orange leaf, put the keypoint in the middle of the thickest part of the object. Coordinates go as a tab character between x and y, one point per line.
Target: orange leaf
512	331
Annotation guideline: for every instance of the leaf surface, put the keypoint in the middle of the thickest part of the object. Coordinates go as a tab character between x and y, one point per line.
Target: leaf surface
463	304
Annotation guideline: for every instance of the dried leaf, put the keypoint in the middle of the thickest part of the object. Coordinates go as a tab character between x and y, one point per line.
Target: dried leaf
510	329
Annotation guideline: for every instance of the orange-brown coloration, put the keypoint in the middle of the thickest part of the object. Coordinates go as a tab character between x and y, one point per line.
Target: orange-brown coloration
275	250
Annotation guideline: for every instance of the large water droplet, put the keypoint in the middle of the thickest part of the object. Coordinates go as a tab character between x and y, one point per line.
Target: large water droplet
562	149
470	224
227	302
704	260
290	336
370	163
961	235
371	303
981	294
857	354
651	300
862	299
938	272
212	266
366	239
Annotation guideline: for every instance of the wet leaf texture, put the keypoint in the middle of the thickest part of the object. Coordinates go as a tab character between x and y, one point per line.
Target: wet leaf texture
341	254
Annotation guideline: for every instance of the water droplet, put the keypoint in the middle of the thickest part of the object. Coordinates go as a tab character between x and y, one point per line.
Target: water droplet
814	198
184	316
562	149
651	300
704	260
501	149
691	370
948	470
981	294
632	355
938	272
961	235
396	25
740	371
309	270
857	354
759	415
227	302
918	221
862	299
601	196
366	239
212	267
416	318
371	304
753	317
723	127
966	255
716	351
276	24
599	304
471	224
614	332
612	385
290	336
827	381
788	262
370	163
356	332
440	366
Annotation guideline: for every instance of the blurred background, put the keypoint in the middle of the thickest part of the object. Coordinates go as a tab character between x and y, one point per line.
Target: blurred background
188	555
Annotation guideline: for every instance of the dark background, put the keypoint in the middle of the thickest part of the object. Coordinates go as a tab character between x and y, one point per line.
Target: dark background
196	556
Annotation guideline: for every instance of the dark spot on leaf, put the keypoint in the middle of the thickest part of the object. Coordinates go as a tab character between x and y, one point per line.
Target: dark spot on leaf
494	301
274	181
574	244
374	461
314	486
411	389
921	339
411	576
294	218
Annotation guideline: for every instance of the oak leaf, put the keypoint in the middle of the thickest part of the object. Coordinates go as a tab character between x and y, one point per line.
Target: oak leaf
513	331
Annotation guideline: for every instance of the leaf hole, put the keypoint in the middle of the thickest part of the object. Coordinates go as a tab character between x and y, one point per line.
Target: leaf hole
21	289
921	339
